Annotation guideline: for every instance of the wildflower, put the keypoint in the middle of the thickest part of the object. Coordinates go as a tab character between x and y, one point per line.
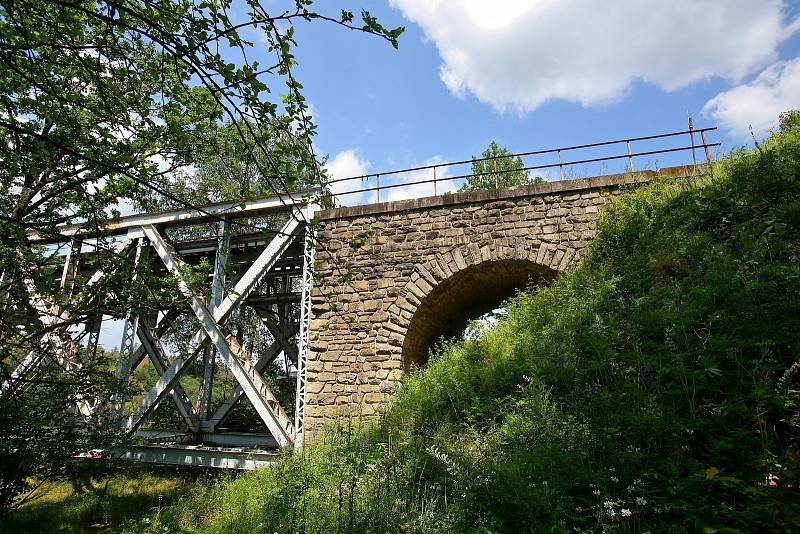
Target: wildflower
522	438
609	506
623	327
614	479
363	443
625	512
596	492
626	296
647	376
641	501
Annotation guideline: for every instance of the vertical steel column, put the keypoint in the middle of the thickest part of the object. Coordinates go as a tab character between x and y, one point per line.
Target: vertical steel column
305	320
217	294
127	344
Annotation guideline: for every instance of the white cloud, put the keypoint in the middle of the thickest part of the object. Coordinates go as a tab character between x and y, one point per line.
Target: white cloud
347	164
759	102
518	54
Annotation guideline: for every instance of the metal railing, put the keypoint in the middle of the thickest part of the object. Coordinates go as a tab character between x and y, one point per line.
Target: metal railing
437	178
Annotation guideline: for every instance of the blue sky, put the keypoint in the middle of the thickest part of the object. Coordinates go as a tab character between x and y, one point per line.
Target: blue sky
543	73
536	74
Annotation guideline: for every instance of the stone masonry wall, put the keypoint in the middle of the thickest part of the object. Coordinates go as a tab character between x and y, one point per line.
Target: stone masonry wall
398	252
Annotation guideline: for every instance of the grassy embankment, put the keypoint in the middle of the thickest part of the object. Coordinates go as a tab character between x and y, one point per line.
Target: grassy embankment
651	389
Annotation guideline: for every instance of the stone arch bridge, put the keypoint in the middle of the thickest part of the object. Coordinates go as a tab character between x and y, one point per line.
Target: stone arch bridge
424	268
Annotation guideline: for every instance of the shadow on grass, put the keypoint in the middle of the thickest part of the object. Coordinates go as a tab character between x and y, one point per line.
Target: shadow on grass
133	493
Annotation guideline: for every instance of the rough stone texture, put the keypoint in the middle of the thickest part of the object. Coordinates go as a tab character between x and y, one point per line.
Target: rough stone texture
422	266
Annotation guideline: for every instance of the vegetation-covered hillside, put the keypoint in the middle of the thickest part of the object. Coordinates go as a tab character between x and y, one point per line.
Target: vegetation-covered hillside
655	388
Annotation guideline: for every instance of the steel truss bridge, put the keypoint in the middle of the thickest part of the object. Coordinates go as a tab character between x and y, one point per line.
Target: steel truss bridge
267	271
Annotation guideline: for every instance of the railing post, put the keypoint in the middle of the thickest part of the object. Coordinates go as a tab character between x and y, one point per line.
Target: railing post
705	146
378	189
560	164
630	157
691	137
435	191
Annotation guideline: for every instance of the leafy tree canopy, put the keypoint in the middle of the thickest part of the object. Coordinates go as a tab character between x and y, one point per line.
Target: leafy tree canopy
496	168
103	101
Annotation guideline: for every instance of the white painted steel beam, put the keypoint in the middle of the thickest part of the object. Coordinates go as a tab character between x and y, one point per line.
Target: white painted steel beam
309	248
281	337
243	287
227	406
255	388
217	292
156	352
164	324
183	217
51	316
187	455
257	391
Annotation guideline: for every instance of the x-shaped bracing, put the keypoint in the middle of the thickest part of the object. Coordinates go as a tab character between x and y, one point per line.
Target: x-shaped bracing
236	359
54	345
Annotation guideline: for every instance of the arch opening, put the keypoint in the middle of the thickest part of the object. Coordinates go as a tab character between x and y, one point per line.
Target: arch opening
465	296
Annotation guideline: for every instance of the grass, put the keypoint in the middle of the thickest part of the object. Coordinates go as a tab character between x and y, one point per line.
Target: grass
107	505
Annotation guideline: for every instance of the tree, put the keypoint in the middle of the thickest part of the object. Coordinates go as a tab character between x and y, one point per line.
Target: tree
497	168
102	101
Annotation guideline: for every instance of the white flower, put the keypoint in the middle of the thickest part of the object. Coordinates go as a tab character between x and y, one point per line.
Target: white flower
596	492
641	501
614	479
626	512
